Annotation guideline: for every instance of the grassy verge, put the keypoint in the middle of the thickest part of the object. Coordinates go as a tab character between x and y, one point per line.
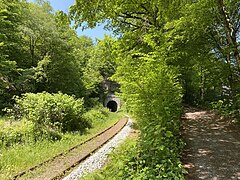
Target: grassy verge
118	166
5	122
121	162
127	162
23	156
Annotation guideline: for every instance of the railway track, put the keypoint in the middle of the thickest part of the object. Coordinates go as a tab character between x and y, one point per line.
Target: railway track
61	164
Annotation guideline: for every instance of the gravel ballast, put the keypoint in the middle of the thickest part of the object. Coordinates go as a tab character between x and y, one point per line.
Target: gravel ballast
98	159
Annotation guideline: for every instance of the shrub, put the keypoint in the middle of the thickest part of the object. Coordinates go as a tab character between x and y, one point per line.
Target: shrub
97	114
223	107
20	133
229	108
51	111
153	95
24	132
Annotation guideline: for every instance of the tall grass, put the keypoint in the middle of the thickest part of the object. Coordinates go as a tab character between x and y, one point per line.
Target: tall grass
23	156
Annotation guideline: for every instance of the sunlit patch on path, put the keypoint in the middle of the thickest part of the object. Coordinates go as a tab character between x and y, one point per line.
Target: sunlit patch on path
213	146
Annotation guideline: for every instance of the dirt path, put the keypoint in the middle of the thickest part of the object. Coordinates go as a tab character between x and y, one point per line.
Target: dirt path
213	146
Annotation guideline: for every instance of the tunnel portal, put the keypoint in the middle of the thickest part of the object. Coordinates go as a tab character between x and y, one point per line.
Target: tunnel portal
112	105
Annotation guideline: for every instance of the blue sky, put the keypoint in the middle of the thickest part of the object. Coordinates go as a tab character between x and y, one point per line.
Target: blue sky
63	5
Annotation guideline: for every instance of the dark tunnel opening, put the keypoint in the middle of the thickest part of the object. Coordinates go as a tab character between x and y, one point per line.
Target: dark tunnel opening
112	105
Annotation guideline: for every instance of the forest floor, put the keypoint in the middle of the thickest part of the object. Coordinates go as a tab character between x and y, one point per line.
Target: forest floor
212	146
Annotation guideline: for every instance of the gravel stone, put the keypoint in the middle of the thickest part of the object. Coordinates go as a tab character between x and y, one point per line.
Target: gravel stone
98	159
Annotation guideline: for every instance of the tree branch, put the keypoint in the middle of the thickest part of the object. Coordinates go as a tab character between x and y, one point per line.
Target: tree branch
230	31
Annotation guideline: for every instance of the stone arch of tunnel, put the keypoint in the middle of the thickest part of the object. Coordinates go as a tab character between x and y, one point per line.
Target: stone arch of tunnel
112	106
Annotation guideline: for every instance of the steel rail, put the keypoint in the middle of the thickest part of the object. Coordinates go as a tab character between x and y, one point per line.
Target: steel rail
19	175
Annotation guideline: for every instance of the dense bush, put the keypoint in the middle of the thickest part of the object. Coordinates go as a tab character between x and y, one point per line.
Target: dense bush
59	111
47	116
96	114
24	132
229	108
153	94
223	107
21	133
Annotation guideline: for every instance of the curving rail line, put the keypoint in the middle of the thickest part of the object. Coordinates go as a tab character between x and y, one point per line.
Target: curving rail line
59	165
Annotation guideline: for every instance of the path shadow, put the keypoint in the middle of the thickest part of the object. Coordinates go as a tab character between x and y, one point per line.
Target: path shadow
212	146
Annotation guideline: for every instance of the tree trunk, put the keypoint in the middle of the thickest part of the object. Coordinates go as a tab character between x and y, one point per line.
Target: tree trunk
230	31
32	49
202	86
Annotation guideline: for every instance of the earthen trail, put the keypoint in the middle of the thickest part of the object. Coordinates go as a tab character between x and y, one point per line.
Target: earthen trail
213	146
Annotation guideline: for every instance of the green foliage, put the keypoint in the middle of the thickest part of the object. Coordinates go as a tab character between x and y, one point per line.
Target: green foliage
223	107
20	157
11	135
148	78
10	18
99	67
124	163
229	108
96	114
165	48
24	132
10	47
65	71
52	111
154	96
39	51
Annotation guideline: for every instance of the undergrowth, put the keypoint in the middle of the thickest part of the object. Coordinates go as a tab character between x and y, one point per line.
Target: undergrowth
153	95
124	162
25	154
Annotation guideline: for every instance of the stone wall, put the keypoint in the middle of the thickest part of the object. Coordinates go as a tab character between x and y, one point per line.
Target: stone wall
113	97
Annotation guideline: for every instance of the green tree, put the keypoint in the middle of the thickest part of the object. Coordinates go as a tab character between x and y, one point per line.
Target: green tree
39	51
39	31
57	54
201	39
99	67
148	79
10	47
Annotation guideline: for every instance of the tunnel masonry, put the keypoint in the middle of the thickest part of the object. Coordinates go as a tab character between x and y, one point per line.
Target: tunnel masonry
111	100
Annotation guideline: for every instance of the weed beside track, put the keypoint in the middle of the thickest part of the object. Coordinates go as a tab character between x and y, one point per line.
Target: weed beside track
57	166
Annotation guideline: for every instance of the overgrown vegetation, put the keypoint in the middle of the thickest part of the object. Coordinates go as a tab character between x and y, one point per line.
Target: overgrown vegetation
20	150
124	163
43	116
59	112
166	53
40	51
50	84
155	101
